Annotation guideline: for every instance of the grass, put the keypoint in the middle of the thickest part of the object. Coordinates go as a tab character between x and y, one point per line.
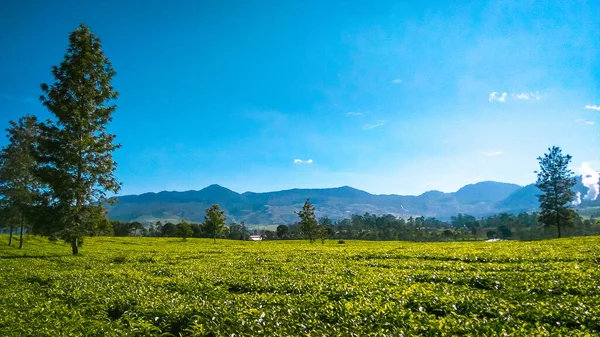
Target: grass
163	286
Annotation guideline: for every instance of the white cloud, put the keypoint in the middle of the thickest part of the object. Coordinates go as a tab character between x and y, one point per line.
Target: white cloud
353	113
527	96
494	153
589	179
593	107
523	95
577	200
589	123
372	126
494	96
300	161
397	81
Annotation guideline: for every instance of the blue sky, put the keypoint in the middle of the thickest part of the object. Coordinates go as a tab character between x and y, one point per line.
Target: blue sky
381	96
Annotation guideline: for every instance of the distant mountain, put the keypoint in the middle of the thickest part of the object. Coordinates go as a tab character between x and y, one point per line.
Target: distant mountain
486	191
522	200
480	199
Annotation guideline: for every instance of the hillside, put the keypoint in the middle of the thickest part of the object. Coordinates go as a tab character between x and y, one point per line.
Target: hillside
480	199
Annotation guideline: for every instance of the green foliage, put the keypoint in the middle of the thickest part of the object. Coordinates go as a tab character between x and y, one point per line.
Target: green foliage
126	228
282	231
308	225
161	286
238	232
214	221
184	230
555	181
19	186
75	154
169	230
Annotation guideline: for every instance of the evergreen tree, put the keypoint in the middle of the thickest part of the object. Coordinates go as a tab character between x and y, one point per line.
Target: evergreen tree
308	224
214	221
555	180
19	187
76	159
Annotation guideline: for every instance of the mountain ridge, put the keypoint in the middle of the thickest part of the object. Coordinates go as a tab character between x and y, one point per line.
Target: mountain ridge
479	199
318	189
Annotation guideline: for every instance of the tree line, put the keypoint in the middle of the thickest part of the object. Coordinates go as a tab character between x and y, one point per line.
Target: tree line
462	227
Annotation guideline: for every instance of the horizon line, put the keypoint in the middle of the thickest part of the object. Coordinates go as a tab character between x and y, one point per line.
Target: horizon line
318	188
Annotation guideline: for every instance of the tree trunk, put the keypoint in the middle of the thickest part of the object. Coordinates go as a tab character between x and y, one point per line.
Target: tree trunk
214	238
74	246
21	235
557	209
10	236
558	222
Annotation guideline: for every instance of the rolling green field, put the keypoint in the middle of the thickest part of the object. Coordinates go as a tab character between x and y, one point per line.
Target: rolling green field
148	286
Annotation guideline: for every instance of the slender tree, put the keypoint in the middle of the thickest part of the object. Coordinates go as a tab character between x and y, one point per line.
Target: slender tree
76	159
308	224
19	187
555	181
214	221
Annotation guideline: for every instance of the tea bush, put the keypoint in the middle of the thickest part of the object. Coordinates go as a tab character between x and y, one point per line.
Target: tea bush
166	287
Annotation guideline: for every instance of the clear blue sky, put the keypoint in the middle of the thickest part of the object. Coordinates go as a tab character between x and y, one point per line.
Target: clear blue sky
381	96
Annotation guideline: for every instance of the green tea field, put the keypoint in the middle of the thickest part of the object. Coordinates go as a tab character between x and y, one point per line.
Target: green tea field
162	286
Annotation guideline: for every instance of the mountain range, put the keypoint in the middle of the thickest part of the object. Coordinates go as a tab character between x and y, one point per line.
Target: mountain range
480	199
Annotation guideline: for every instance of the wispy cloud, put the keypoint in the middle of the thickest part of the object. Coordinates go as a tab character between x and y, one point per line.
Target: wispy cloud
494	96
353	113
593	107
581	120
527	96
523	96
372	126
300	161
396	81
494	153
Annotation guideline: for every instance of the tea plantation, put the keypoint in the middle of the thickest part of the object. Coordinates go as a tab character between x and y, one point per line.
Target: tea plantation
161	286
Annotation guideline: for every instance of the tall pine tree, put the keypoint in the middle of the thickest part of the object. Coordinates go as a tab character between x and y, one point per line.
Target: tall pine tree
75	158
555	180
